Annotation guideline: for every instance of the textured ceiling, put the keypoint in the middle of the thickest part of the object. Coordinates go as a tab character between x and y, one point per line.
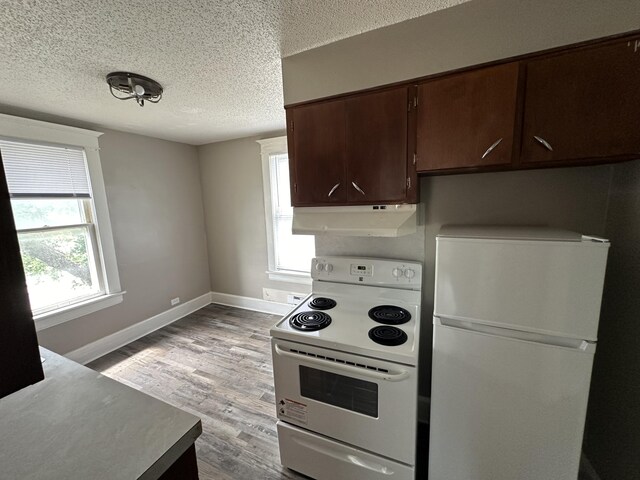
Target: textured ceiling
218	60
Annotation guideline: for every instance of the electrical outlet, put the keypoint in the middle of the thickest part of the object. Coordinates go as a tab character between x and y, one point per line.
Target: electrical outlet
175	301
293	299
282	296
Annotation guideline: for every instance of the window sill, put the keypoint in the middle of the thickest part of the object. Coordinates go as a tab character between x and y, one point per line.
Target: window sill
291	277
70	312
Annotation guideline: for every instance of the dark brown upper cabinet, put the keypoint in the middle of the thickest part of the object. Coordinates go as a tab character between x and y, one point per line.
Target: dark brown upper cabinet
377	147
353	151
574	105
316	139
467	119
583	105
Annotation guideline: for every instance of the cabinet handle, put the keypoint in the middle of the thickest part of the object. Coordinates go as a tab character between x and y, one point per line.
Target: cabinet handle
490	149
544	143
333	189
355	185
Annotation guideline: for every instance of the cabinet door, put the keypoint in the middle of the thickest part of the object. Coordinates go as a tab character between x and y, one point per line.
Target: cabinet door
317	154
19	355
583	105
467	119
377	147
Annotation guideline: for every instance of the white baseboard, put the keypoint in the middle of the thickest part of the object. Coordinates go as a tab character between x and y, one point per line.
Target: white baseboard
112	342
250	303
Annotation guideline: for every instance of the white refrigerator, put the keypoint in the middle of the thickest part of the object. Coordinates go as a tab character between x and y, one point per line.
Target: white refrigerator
516	315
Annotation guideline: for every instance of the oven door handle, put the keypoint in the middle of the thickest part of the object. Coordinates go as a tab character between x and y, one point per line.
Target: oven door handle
389	377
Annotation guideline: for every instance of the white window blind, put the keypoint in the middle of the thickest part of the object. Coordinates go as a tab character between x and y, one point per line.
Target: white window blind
36	170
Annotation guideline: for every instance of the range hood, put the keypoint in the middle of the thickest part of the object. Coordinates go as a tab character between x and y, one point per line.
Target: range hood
357	221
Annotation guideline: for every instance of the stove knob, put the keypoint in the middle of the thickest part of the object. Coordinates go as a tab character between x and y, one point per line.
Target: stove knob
409	273
319	267
396	272
329	267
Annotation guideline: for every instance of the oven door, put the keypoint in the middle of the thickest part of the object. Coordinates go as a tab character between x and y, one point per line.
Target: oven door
367	403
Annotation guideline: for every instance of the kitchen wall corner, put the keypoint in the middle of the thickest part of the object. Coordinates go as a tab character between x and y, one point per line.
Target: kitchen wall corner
231	176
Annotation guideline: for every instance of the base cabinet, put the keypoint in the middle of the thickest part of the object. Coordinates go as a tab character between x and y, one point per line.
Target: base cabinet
184	468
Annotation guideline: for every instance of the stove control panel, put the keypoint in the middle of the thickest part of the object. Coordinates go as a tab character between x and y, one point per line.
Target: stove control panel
367	271
361	269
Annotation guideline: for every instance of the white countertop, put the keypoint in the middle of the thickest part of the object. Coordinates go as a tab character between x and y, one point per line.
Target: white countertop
79	424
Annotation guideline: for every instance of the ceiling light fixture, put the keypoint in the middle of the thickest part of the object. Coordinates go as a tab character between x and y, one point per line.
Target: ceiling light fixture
135	86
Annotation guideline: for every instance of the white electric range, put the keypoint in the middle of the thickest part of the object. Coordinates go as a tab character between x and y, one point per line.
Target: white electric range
345	371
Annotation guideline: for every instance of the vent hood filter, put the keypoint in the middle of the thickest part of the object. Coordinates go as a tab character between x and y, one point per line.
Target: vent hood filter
357	221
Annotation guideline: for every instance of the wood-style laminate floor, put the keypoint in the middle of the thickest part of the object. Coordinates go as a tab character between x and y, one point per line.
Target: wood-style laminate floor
216	364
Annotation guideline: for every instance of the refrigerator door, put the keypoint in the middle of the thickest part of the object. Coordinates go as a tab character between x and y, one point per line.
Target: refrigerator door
504	408
548	287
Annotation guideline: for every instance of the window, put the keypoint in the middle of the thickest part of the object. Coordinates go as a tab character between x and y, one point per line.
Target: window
59	208
289	255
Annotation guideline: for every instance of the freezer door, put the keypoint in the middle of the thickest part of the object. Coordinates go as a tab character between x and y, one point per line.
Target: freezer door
503	408
549	287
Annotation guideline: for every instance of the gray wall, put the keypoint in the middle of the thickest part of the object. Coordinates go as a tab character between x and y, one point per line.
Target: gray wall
468	34
231	175
612	439
577	199
155	204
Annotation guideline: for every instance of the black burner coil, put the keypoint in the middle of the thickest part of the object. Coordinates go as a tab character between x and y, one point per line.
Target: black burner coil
389	315
387	335
322	303
310	321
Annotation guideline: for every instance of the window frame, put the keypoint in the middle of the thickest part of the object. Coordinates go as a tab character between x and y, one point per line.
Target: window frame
269	147
23	129
88	224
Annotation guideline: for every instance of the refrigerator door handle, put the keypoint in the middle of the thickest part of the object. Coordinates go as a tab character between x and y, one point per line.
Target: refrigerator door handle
552	340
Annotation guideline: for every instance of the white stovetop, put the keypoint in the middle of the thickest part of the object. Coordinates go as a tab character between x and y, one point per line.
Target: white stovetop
350	325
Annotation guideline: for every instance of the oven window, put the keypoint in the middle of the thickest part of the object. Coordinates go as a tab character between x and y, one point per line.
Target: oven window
345	392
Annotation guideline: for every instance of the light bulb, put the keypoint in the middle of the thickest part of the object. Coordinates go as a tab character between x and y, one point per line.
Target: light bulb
138	90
